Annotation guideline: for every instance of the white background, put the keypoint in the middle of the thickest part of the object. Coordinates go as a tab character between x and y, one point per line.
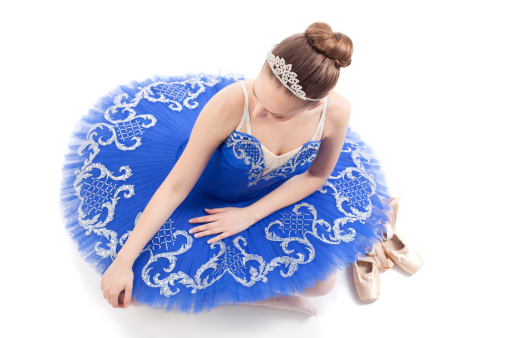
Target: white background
427	88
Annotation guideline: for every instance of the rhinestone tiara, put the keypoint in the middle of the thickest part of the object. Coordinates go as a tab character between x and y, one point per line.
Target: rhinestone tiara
286	76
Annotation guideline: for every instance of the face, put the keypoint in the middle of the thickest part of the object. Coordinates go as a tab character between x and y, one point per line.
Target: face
271	102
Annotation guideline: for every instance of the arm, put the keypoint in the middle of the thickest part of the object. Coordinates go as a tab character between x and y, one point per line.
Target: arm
215	122
301	186
290	192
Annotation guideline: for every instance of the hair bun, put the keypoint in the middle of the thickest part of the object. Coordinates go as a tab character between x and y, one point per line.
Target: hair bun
336	46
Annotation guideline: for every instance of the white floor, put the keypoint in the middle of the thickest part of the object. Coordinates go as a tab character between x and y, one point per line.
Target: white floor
427	89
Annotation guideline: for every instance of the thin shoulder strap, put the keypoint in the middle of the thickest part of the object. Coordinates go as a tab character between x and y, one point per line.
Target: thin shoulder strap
246	114
321	122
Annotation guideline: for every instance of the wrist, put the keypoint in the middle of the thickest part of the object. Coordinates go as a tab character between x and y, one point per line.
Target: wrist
254	212
123	259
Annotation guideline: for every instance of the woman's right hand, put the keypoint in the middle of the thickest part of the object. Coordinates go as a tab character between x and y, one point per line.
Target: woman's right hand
118	277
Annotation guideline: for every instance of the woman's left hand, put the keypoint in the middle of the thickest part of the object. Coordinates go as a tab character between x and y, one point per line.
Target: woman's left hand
226	221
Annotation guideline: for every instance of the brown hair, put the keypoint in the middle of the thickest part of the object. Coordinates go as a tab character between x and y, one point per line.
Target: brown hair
316	57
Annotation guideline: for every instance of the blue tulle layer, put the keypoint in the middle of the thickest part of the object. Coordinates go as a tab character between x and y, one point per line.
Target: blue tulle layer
123	149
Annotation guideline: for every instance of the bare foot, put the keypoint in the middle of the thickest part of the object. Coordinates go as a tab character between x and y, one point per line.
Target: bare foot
296	303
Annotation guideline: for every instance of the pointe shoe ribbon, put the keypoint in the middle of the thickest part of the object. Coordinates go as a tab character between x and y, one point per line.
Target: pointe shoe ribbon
393	216
377	255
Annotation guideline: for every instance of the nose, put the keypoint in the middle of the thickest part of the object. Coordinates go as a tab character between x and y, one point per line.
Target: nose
259	111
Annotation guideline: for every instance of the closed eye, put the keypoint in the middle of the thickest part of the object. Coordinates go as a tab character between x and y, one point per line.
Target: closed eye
274	116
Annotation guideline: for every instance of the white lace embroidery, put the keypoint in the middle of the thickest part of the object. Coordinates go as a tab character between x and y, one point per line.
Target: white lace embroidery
248	149
353	187
248	268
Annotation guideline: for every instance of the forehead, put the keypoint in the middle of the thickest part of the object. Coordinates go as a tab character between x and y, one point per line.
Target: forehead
273	96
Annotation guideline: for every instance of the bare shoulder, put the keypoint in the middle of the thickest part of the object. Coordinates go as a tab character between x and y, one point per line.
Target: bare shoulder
337	114
224	110
231	95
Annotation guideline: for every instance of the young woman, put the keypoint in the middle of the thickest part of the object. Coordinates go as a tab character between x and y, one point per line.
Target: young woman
197	192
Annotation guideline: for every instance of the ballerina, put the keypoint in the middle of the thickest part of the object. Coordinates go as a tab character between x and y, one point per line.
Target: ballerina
291	194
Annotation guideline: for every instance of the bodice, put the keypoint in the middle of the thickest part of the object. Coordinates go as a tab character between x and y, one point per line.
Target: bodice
236	170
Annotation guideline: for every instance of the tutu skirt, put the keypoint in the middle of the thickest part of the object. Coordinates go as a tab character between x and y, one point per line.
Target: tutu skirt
122	150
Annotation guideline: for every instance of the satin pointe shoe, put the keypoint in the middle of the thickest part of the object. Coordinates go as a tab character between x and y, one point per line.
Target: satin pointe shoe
366	273
403	254
366	280
397	248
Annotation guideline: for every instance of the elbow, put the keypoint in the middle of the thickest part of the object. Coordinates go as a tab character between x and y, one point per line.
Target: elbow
319	180
173	188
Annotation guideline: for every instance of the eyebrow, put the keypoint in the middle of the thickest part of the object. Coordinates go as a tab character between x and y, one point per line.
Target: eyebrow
253	91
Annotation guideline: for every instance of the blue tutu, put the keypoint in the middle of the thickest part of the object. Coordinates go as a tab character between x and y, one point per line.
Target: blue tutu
123	149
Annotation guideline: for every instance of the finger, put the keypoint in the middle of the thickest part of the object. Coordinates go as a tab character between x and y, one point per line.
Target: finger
128	295
208	232
217	238
203	227
115	299
215	210
203	219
